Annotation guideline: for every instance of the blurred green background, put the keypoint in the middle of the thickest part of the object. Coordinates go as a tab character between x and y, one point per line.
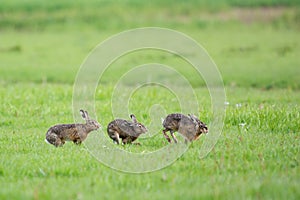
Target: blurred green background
254	43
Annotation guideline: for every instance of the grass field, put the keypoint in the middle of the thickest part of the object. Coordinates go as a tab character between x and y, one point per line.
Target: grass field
255	45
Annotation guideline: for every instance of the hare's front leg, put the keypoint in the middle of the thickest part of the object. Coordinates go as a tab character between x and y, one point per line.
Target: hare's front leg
128	140
77	141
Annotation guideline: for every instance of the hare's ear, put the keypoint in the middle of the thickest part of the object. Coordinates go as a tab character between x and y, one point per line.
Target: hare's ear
84	114
193	118
133	118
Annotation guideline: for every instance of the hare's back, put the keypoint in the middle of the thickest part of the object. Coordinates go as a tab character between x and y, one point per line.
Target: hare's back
172	121
175	116
123	127
64	130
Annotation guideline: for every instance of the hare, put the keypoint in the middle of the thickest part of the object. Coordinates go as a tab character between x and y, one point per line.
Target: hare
126	130
58	134
189	126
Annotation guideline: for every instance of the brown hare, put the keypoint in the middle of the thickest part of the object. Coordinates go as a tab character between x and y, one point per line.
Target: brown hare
126	130
189	126
58	134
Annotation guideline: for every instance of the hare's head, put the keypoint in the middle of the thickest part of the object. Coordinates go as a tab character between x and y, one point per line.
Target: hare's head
137	126
92	124
200	126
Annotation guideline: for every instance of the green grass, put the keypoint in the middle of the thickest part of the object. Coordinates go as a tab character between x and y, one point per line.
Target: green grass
256	157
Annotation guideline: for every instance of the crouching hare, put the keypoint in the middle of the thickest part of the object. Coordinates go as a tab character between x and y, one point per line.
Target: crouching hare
189	126
58	134
126	130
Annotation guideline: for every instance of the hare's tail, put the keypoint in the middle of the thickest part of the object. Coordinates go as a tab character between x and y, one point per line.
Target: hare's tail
47	141
162	120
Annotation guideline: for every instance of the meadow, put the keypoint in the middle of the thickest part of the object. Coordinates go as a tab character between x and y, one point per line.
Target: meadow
255	45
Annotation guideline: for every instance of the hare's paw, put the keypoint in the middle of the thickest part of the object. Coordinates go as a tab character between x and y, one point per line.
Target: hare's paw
77	141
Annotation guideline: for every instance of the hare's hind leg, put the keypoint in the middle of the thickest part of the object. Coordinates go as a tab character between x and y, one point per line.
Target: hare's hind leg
52	138
173	136
166	136
115	137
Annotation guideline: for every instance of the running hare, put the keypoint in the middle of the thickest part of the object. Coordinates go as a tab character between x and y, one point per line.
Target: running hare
58	134
126	130
189	126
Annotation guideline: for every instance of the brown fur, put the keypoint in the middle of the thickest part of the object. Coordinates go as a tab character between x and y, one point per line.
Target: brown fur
58	134
189	126
126	130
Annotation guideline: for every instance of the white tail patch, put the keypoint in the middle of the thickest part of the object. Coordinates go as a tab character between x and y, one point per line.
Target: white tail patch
47	141
162	120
